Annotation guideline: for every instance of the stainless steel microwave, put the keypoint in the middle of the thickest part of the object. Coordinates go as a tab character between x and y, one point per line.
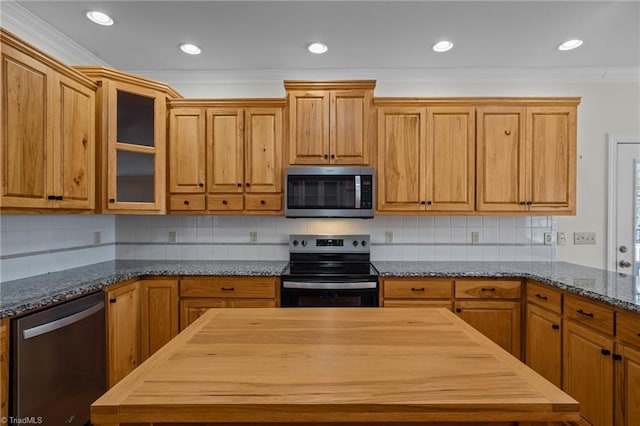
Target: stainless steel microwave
331	191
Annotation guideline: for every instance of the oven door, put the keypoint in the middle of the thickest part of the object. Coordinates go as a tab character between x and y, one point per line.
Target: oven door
362	294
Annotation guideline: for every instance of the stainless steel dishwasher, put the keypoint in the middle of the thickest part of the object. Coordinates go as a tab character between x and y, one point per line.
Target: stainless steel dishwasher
58	362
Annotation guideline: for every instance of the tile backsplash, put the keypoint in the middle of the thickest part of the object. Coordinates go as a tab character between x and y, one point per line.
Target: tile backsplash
37	244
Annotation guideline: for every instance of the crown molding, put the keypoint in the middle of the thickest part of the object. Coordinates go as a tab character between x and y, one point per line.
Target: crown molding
32	29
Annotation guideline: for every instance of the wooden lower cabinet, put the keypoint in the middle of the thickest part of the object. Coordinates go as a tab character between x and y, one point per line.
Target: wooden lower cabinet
544	343
498	320
158	314
627	377
192	309
417	292
588	372
123	331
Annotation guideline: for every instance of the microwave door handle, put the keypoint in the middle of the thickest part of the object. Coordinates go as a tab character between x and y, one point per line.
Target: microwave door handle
358	192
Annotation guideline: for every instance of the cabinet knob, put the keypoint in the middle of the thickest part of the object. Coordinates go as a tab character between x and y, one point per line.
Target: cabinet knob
423	202
429	203
239	185
617	357
186	202
247	184
224	202
51	197
59	197
333	156
605	352
458	310
263	202
201	185
325	156
523	203
555	326
529	203
112	300
112	200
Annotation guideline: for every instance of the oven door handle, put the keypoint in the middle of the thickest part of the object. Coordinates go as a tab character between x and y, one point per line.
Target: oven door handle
330	286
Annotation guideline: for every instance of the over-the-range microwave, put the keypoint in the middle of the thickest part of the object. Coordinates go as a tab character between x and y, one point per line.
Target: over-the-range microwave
329	191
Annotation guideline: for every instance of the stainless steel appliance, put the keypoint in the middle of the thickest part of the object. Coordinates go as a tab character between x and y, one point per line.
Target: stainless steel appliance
58	362
329	271
336	191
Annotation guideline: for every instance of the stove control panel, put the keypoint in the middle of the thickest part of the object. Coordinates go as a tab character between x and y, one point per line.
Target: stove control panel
300	243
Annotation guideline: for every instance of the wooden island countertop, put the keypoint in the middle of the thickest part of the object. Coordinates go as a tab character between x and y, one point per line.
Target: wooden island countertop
332	365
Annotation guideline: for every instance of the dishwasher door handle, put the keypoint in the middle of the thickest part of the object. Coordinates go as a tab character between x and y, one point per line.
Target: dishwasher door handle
62	322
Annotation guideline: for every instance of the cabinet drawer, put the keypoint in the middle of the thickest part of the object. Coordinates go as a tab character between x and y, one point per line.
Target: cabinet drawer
417	303
271	202
186	202
588	313
229	287
417	289
544	296
628	327
225	202
488	289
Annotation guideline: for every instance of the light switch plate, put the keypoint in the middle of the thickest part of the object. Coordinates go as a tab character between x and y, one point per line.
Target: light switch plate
562	239
475	237
548	239
584	238
173	237
253	237
388	236
97	238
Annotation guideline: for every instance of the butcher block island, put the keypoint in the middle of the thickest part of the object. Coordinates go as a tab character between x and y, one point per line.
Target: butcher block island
333	365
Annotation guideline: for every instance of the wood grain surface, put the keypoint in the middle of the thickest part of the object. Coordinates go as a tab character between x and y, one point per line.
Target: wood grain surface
332	365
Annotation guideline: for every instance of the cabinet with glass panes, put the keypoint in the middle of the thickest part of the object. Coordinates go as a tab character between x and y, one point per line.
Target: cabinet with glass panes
132	142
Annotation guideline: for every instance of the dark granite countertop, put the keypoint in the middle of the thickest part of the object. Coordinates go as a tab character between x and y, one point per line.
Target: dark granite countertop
28	294
622	291
21	296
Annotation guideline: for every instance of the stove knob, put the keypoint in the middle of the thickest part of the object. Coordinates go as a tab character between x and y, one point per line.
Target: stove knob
364	243
295	243
304	243
355	243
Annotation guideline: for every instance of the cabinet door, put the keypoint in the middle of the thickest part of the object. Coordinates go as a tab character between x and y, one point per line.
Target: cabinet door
628	386
551	145
187	150
401	159
501	159
158	314
192	309
4	367
588	372
123	320
349	121
74	138
26	154
450	158
225	150
136	148
263	155
544	343
309	127
499	321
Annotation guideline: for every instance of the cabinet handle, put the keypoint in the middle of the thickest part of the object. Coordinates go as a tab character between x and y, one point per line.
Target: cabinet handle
59	197
555	326
201	185
540	296
112	200
51	197
586	314
488	289
458	310
605	352
227	288
617	357
325	156
417	288
239	185
423	202
186	202
507	132
112	300
429	203
529	203
523	203
263	202
224	202
333	156
247	184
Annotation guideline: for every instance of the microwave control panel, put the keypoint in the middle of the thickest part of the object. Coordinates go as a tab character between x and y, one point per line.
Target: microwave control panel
366	197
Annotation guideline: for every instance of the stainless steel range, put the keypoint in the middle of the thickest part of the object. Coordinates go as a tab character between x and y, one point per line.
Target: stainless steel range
329	270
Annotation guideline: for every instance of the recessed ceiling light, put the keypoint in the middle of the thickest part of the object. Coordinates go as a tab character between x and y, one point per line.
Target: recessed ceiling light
318	48
442	46
191	49
570	44
100	18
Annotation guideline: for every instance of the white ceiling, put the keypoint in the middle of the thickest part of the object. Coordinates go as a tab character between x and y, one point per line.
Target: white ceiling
271	36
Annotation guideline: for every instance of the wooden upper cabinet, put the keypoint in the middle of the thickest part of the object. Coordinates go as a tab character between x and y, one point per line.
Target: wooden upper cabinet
263	152
48	143
187	161
426	158
401	158
132	126
527	158
225	150
329	122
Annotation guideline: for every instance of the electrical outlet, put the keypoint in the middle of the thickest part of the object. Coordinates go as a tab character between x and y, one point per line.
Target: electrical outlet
173	236
584	238
97	238
562	239
548	239
388	236
253	237
475	237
